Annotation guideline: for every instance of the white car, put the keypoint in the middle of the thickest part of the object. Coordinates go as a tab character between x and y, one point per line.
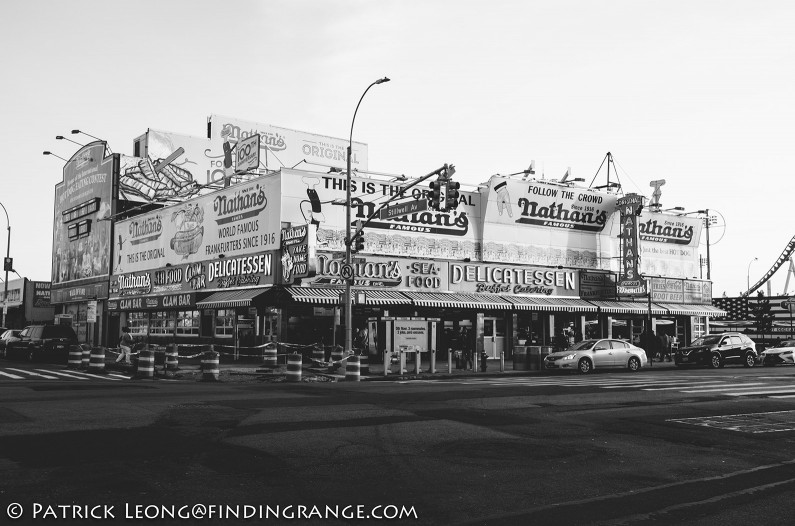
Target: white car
781	355
588	355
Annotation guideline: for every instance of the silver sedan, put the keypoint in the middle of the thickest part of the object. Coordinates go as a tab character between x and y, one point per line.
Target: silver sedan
588	355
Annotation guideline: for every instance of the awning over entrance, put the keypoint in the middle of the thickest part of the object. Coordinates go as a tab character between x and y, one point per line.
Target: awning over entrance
226	299
628	307
458	300
551	304
332	296
386	297
680	309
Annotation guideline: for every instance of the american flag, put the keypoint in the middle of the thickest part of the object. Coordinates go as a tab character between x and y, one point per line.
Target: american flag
736	308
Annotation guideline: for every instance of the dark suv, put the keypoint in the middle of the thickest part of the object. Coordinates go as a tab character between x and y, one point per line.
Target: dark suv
43	342
716	350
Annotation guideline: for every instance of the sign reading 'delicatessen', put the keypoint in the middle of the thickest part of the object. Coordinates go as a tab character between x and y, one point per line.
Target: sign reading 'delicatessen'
504	279
179	280
239	221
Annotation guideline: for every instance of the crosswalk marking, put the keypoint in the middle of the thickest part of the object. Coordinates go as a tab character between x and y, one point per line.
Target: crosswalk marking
23	371
772	387
14	373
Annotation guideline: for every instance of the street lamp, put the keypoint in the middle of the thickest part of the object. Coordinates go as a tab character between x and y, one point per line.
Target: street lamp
74	132
54	155
6	265
62	138
748	275
348	240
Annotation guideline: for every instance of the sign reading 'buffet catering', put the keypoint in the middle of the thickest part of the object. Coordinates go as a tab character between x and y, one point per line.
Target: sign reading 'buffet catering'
239	221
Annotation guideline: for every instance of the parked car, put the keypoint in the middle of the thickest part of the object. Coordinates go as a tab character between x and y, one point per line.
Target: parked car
588	355
783	354
49	343
717	350
9	335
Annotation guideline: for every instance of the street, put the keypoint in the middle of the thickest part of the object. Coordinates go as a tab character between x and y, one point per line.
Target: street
669	446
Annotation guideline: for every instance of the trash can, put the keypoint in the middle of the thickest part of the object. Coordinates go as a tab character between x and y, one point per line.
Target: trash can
457	355
535	358
520	358
483	358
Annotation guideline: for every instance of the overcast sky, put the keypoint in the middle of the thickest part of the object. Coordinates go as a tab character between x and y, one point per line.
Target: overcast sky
699	93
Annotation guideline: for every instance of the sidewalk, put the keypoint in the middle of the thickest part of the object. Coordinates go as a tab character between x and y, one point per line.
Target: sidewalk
254	371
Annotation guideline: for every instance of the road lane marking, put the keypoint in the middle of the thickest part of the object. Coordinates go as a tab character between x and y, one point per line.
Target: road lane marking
23	371
12	376
62	374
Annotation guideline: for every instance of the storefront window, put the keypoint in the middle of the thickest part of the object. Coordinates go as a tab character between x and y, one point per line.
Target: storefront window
188	323
162	323
138	322
225	323
699	324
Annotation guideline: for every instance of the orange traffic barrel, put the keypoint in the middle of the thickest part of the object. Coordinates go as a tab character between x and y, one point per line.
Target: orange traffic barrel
336	354
75	357
96	362
364	365
318	354
146	364
269	355
210	366
352	369
172	361
294	362
86	358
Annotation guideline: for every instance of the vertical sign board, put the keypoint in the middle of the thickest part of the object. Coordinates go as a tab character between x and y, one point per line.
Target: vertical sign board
91	311
629	281
411	335
298	252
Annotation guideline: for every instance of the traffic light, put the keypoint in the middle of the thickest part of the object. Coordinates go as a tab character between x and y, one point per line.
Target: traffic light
452	194
358	239
435	195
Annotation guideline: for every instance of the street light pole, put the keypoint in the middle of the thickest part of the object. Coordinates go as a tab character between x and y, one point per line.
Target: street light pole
348	240
5	265
748	275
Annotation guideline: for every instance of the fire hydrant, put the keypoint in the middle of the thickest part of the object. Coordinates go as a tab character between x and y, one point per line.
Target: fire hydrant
483	358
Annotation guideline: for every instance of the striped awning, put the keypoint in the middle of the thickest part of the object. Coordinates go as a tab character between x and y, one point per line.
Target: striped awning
681	309
540	303
226	299
628	307
315	295
330	296
458	300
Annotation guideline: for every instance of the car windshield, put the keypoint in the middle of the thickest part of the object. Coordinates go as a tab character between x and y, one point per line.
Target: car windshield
790	343
706	340
585	344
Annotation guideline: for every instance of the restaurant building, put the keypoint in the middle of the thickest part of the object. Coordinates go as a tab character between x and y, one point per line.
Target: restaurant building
516	262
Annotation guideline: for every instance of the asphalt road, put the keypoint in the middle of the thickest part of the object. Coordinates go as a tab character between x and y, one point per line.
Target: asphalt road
696	447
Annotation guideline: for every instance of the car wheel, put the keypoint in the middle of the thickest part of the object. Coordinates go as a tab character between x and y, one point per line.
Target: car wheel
584	366
715	361
634	364
750	359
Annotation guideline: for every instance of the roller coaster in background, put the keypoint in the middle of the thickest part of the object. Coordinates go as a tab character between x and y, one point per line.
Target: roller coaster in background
786	256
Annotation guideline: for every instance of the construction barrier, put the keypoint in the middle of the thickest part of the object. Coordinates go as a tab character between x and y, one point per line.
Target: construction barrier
318	354
352	369
294	362
75	357
86	359
210	366
364	365
146	364
270	355
337	353
96	362
172	361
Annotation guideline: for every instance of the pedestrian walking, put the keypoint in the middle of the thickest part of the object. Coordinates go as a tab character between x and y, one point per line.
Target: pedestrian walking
125	345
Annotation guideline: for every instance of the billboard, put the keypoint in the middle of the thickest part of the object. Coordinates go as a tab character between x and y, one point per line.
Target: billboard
285	148
319	198
238	221
544	223
81	229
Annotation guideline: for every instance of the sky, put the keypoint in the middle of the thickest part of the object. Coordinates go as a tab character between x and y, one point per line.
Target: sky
699	93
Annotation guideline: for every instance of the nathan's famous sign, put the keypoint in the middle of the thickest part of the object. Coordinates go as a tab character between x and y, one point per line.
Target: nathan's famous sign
231	223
